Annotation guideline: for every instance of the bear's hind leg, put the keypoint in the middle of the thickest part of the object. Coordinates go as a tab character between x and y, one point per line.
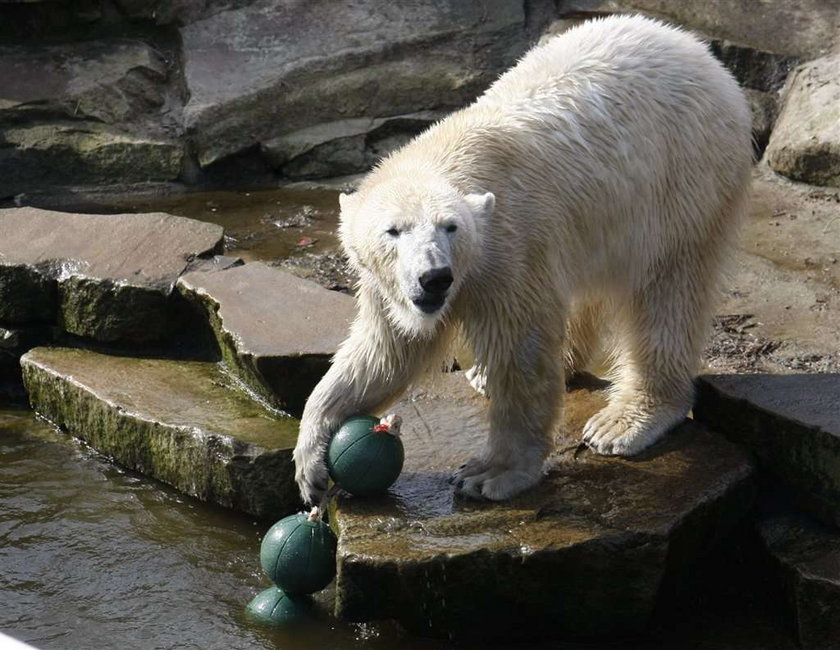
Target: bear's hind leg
583	337
660	338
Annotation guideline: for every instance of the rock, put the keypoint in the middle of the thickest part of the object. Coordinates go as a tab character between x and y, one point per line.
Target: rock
54	153
803	29
805	144
790	422
344	147
269	69
14	342
806	557
109	81
276	332
107	277
589	552
180	422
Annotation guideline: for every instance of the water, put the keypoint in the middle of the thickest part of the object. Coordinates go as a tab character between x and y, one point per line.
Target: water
259	225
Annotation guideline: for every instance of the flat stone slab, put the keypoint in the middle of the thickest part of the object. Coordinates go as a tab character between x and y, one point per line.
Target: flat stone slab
807	561
589	552
180	422
791	423
277	332
107	277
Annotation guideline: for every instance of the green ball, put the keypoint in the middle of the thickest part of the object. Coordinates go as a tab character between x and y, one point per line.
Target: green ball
298	555
274	607
362	461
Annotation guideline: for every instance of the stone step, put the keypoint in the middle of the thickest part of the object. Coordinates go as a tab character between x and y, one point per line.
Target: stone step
590	552
276	332
790	422
106	277
806	559
178	421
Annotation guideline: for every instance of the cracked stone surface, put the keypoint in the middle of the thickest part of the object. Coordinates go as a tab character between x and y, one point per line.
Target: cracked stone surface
181	422
106	277
277	332
587	553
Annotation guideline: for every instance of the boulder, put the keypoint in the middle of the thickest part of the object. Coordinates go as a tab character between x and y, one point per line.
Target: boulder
106	277
790	422
276	332
805	144
268	69
806	559
181	422
590	552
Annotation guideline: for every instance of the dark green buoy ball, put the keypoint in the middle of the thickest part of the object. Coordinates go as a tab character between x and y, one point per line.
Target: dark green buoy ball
298	554
362	460
274	607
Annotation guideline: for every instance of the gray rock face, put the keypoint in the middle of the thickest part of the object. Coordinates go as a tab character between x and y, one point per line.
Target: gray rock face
177	421
107	81
277	332
57	154
805	144
807	561
804	29
280	68
84	113
790	422
107	277
344	147
589	552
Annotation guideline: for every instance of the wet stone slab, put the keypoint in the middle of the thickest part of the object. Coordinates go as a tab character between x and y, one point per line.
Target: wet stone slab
276	331
590	552
106	277
180	422
790	422
806	559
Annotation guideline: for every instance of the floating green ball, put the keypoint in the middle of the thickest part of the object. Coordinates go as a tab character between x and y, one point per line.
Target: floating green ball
274	607
298	554
361	460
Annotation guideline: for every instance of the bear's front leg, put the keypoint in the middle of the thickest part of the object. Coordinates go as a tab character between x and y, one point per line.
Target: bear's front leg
525	383
371	369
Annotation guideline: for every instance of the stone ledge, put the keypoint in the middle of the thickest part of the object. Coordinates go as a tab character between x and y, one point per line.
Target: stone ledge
277	332
590	552
106	277
790	422
177	421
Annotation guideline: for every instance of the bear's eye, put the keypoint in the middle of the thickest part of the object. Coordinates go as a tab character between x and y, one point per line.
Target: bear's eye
451	227
392	232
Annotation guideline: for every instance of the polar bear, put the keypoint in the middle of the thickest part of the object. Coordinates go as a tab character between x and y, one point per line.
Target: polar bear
603	177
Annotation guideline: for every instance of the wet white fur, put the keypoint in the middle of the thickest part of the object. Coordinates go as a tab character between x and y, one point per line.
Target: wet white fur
602	177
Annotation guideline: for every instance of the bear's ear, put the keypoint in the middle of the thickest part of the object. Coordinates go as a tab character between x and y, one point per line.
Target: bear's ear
347	201
481	204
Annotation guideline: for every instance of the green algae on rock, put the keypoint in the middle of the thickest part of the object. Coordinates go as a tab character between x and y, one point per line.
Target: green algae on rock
177	421
790	422
590	552
276	332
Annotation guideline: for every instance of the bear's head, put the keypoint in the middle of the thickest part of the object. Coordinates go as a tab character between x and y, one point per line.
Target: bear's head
414	241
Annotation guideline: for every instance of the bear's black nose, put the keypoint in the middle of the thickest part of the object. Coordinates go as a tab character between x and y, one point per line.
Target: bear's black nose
436	280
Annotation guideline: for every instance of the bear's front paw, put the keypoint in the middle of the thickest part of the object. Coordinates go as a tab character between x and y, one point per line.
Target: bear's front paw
627	429
311	476
480	480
